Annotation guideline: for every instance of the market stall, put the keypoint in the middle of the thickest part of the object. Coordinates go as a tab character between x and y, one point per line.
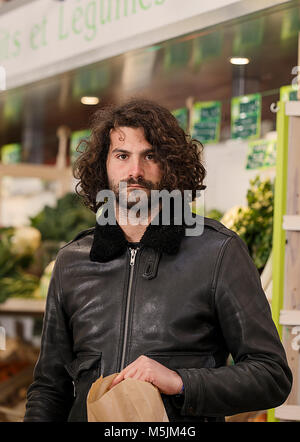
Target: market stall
185	65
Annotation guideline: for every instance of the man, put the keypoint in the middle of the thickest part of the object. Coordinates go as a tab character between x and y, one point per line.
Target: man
147	300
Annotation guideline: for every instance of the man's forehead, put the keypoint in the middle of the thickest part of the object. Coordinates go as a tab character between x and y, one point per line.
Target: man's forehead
123	136
122	131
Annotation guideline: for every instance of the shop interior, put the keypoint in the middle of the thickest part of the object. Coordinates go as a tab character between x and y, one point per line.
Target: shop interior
44	121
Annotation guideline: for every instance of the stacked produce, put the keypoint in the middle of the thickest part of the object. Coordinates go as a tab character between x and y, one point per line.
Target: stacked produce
254	222
17	362
63	222
17	247
27	254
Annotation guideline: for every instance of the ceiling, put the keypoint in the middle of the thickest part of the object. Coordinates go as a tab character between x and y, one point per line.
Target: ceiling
195	65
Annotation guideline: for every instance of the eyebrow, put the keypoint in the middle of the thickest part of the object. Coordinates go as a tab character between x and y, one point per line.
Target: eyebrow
118	149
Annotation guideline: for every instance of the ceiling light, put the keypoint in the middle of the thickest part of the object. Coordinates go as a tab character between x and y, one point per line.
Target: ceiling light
239	60
89	100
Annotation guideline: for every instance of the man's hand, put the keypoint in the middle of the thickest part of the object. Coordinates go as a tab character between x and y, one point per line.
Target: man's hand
146	369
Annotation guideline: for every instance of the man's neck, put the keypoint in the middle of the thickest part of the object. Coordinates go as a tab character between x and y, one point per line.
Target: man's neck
132	233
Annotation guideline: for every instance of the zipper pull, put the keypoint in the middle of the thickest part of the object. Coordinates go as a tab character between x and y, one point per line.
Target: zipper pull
133	253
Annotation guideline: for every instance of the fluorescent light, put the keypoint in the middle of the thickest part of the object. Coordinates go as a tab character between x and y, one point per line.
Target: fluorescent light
89	100
239	60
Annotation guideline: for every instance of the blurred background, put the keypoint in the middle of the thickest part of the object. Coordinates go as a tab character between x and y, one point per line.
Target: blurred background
221	68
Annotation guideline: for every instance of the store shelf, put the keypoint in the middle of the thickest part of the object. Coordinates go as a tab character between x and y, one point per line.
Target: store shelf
289	317
34	171
288	412
292	108
291	222
23	306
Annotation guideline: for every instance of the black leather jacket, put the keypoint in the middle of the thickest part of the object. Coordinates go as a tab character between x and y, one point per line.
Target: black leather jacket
185	301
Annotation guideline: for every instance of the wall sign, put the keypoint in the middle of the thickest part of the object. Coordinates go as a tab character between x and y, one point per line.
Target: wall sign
246	117
261	154
75	33
206	121
11	153
181	115
289	93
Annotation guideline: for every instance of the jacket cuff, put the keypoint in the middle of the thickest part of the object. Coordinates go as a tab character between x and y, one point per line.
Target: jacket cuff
193	397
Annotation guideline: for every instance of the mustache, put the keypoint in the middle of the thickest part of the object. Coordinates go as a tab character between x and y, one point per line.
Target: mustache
140	182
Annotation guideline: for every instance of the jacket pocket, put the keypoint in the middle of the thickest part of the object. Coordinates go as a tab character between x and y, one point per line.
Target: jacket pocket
176	360
83	370
190	359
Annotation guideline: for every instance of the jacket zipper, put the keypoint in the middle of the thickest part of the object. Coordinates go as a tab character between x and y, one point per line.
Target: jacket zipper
133	253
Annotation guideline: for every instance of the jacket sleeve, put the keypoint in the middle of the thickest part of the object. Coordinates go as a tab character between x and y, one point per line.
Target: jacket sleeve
260	378
50	396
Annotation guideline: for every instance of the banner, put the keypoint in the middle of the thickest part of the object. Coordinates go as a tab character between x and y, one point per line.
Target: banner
69	34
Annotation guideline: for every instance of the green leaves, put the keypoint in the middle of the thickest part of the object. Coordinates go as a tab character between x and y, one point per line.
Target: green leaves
63	222
254	224
13	279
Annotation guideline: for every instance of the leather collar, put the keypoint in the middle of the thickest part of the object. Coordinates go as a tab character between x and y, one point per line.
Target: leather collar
109	240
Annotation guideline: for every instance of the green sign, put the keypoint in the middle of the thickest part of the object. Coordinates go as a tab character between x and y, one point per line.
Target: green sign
206	121
261	154
76	137
246	117
11	153
289	93
182	117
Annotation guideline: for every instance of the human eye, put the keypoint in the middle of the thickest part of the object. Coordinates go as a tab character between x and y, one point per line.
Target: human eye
150	156
122	156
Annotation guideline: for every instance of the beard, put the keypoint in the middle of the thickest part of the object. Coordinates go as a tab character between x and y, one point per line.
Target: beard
126	199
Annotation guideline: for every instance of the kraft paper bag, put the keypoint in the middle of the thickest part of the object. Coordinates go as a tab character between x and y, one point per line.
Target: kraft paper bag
129	401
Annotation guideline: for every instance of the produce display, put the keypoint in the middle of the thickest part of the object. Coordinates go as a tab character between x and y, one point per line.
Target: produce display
17	363
63	222
17	247
27	254
254	222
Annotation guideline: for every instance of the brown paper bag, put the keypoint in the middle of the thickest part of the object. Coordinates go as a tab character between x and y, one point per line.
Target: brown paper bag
129	401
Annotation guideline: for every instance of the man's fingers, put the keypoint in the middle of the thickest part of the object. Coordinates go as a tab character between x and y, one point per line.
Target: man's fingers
117	379
130	373
148	370
114	382
138	376
124	374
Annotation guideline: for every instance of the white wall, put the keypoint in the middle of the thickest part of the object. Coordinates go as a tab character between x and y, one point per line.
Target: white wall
227	179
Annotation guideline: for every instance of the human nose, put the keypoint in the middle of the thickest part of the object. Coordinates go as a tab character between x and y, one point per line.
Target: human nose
136	168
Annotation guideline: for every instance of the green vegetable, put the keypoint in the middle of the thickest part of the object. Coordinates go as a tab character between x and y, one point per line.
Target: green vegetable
63	222
254	223
18	285
13	279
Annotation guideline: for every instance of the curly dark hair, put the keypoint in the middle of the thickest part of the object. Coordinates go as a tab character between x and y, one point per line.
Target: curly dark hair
178	154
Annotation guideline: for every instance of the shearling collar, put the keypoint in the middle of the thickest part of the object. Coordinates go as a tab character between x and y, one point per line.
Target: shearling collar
109	240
